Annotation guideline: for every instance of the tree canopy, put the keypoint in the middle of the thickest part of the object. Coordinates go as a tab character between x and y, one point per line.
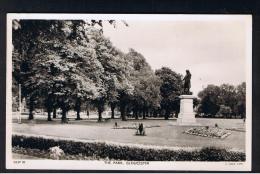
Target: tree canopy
223	100
170	89
68	63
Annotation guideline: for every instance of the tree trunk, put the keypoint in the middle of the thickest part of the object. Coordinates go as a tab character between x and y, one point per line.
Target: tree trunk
100	104
87	107
139	113
162	112
99	115
64	116
167	114
144	113
31	107
135	113
151	113
78	115
49	115
78	108
54	113
155	113
128	112
112	111
122	111
78	112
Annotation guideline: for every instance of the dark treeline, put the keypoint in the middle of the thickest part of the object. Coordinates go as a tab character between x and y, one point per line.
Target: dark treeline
223	101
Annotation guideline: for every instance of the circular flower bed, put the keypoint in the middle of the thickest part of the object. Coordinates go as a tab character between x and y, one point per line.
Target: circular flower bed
213	132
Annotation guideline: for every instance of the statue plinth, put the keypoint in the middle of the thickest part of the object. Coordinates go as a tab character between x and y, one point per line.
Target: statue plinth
186	115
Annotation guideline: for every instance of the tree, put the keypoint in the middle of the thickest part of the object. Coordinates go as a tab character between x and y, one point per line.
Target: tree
27	36
146	94
114	78
170	89
240	107
224	110
210	100
43	47
216	99
196	102
228	96
125	88
147	91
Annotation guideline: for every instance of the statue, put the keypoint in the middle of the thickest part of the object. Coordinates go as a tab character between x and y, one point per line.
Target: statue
187	85
186	116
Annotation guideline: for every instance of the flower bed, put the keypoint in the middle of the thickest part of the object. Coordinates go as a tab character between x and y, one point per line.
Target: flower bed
213	132
103	150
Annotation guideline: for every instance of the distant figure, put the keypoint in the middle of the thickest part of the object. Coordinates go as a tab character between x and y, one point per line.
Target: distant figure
115	124
140	130
187	84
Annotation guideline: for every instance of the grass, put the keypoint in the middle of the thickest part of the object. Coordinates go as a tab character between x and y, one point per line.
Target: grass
161	132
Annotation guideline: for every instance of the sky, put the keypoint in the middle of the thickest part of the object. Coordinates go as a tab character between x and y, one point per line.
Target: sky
214	51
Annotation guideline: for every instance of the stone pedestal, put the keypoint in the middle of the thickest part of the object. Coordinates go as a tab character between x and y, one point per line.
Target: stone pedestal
186	115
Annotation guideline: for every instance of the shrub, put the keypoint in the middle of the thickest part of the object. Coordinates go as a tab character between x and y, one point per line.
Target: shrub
56	152
126	152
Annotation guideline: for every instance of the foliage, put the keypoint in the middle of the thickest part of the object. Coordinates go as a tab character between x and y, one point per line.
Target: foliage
146	94
58	62
125	152
224	100
68	63
46	154
240	107
224	110
170	90
51	55
115	75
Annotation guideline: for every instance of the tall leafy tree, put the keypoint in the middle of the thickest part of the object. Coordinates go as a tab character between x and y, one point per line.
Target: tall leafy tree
51	60
223	99
170	89
228	95
114	78
241	99
146	93
210	100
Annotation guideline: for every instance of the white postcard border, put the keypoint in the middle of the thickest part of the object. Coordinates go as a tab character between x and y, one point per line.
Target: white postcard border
101	165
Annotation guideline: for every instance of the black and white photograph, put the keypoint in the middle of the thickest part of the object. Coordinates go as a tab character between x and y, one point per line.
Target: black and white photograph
129	92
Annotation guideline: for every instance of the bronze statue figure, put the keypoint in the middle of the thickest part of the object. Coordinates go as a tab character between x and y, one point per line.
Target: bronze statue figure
187	84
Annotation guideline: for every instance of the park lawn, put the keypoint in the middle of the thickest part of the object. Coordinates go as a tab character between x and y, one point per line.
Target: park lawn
168	134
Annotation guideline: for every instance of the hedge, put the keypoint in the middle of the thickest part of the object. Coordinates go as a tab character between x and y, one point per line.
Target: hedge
126	152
